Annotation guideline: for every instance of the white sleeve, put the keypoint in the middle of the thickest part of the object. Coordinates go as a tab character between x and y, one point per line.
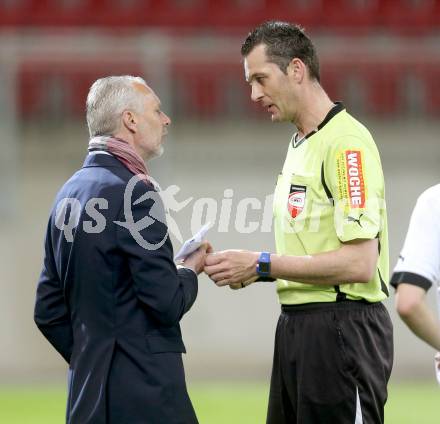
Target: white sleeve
419	260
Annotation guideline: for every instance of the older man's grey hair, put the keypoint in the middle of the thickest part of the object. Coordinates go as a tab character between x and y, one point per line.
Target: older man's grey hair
108	97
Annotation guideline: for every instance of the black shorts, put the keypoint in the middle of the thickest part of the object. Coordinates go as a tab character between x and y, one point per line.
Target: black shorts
331	365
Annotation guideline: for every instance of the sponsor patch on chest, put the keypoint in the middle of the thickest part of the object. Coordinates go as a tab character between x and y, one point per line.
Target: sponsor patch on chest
296	200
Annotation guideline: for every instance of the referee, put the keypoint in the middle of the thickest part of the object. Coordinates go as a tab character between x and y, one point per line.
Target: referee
333	344
418	268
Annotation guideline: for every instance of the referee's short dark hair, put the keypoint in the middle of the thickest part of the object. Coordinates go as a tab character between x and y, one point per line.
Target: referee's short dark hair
284	41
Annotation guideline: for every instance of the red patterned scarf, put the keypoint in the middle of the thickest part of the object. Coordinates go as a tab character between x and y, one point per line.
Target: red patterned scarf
123	151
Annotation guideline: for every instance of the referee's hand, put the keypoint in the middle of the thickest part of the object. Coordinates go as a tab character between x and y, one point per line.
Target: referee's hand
239	286
232	267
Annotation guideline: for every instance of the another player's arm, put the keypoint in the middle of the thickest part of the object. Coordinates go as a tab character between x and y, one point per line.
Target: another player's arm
414	311
418	268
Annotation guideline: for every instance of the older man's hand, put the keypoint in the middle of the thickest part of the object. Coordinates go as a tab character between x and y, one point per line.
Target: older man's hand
236	268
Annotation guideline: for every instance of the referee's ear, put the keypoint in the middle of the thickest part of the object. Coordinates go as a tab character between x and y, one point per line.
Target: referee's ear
297	71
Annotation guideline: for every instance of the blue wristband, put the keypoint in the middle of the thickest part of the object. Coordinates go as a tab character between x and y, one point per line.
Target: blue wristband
263	266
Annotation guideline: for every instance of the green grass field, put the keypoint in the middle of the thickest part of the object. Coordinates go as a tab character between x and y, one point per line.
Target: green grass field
234	403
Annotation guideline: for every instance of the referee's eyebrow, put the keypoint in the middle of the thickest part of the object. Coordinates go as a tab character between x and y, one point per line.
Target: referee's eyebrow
250	78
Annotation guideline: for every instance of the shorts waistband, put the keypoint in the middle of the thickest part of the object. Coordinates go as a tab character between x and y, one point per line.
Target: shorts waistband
344	304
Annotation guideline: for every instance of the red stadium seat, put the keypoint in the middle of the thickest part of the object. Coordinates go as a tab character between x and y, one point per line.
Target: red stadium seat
356	16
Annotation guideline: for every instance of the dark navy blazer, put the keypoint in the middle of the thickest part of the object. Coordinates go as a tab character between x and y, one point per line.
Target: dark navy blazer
111	307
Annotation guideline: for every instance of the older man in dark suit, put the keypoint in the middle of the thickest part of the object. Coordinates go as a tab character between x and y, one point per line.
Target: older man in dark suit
110	297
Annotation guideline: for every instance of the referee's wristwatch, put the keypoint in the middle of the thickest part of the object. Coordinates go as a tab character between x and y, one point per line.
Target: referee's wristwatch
263	267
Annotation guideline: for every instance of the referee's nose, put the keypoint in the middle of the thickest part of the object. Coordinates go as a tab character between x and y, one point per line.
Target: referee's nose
256	93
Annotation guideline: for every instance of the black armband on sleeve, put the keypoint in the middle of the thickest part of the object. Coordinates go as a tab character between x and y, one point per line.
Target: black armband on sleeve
410	278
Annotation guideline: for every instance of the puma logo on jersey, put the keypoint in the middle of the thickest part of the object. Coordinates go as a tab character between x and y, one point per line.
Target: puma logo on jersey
358	220
355	178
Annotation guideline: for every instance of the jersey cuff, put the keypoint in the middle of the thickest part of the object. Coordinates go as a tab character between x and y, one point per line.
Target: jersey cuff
410	278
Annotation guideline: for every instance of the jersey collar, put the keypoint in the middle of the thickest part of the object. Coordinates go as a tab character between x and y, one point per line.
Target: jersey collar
338	107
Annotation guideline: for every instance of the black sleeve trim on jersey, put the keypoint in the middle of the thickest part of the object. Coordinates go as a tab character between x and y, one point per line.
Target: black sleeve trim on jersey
324	184
410	278
382	284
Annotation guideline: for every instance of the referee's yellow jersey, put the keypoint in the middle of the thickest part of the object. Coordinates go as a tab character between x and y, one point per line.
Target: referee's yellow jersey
331	190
